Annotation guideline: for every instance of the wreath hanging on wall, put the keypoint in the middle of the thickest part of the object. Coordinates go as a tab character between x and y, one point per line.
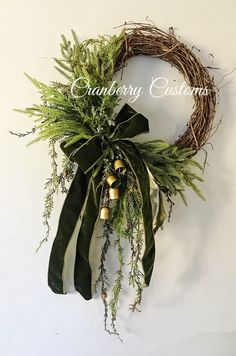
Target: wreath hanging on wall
112	175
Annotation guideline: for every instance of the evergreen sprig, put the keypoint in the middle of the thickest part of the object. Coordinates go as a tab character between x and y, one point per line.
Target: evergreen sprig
171	167
63	115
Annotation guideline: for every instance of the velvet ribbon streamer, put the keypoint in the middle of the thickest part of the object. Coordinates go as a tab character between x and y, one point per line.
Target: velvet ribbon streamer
83	201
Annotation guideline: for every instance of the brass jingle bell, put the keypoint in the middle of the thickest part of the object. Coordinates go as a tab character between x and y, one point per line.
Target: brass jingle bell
105	213
119	166
104	295
112	181
114	193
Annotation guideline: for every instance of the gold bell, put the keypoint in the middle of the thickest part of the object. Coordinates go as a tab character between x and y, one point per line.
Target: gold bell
114	193
119	166
104	295
104	213
112	181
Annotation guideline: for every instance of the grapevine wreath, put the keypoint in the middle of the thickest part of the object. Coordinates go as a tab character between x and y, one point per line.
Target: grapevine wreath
111	175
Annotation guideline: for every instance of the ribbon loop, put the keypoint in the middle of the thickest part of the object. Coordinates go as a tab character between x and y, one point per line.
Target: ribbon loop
87	154
135	125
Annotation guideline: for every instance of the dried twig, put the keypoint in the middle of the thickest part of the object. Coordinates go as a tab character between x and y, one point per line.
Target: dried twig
149	40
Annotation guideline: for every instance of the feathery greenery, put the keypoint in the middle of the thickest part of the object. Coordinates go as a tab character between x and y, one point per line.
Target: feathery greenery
63	115
171	167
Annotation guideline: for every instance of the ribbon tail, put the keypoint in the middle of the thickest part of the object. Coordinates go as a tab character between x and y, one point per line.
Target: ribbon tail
161	214
82	270
69	215
87	154
140	171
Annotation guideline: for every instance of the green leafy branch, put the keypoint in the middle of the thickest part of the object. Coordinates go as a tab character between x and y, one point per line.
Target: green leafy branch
171	167
65	116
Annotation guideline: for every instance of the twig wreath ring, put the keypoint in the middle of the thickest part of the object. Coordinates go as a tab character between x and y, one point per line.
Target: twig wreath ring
112	175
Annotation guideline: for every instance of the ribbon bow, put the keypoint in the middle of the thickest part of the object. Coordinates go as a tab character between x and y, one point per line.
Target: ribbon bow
128	123
84	199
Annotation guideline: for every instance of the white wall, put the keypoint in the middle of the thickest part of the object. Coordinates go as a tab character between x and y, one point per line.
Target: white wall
189	309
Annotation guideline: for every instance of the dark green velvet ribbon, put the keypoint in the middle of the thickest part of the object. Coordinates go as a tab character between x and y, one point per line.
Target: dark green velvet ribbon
84	199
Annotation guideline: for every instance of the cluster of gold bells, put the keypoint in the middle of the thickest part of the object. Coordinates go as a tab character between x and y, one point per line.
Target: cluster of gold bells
113	192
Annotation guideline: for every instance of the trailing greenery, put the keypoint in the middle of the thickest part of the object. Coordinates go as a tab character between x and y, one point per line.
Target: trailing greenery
103	279
128	224
117	287
57	182
126	221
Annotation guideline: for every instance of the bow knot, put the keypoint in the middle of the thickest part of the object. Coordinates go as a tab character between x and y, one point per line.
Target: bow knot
105	140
